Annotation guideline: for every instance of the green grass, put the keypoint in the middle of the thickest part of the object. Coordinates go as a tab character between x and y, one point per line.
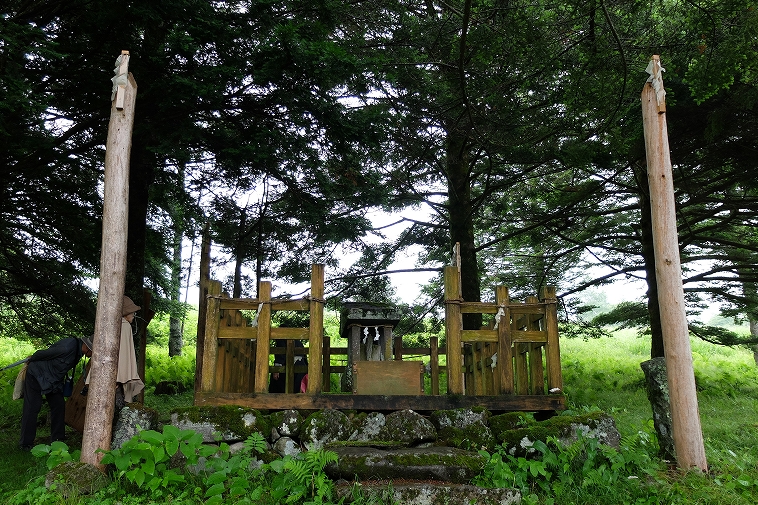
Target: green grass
603	373
16	468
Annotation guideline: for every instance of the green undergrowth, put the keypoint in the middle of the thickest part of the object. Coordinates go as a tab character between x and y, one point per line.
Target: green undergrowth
174	466
605	374
599	375
557	473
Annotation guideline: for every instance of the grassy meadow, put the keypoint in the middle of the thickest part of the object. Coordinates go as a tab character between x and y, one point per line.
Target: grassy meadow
602	374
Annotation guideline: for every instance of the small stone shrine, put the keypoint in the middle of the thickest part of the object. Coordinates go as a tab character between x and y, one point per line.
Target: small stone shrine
368	329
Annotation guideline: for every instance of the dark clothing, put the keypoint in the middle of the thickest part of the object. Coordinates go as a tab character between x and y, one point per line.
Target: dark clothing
50	365
32	406
279	385
45	372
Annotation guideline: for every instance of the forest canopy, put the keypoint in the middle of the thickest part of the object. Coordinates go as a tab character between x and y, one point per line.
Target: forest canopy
512	128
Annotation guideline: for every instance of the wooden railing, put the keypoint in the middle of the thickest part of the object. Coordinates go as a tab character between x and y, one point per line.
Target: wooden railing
248	368
507	358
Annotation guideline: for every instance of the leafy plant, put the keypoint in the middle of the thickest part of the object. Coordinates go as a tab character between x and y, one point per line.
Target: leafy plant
231	476
35	493
560	471
56	453
292	479
256	443
144	462
144	459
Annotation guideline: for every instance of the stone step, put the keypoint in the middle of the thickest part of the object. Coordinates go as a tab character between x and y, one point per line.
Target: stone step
427	493
416	475
446	464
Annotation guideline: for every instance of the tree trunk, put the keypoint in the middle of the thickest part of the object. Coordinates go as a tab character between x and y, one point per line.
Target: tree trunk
175	340
140	177
259	254
176	324
657	386
239	257
458	127
648	257
142	172
461	222
205	269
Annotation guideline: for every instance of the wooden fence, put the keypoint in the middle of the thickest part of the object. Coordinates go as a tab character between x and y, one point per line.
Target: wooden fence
512	365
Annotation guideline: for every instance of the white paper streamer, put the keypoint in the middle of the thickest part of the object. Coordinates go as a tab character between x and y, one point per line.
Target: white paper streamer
255	321
120	79
500	313
655	70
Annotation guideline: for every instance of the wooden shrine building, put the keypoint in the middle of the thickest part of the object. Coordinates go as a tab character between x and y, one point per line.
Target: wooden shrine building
512	364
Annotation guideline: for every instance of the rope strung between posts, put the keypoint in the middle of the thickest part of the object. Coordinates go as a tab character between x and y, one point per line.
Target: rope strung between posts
314	299
453	301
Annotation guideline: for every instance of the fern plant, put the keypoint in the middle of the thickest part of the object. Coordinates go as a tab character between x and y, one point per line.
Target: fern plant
303	478
230	477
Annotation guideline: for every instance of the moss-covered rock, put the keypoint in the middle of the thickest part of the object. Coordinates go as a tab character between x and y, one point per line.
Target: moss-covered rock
509	421
399	445
285	446
424	493
429	463
459	418
408	427
463	428
74	478
376	444
130	420
368	426
323	427
597	425
229	423
285	423
474	437
520	442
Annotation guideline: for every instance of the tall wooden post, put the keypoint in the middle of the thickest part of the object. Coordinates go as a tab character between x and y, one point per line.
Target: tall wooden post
205	277
685	416
211	316
316	331
263	344
453	325
505	343
100	404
